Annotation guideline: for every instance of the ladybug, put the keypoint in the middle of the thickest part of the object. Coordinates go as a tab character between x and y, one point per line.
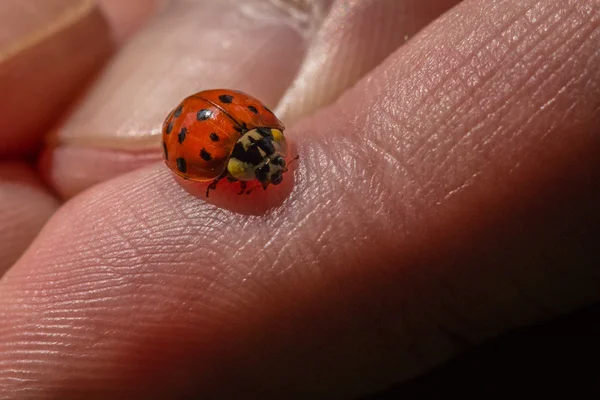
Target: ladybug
221	133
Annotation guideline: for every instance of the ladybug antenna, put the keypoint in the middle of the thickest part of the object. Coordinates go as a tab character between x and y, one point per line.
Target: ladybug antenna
290	163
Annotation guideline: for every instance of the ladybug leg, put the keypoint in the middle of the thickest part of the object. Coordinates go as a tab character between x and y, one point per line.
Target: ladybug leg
213	184
251	189
243	186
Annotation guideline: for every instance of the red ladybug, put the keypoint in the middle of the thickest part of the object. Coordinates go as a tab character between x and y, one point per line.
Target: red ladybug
216	134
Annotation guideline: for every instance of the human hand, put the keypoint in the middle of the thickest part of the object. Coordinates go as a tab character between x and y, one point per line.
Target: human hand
452	192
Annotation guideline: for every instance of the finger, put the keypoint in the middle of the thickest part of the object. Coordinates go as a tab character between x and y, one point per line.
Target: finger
354	38
72	169
25	206
188	47
449	196
70	39
126	17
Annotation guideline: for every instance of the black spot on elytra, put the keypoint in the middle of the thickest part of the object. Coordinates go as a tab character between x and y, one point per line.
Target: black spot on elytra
165	151
182	133
178	111
214	137
253	109
169	127
225	98
238	128
206	156
203	114
181	165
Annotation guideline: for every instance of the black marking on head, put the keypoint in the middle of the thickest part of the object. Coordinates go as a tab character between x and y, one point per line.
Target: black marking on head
169	127
265	131
165	151
262	173
266	144
251	155
206	156
203	114
214	137
181	165
178	111
253	109
182	133
226	98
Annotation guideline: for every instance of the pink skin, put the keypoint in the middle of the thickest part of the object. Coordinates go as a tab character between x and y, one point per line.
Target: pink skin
25	208
452	192
126	17
71	41
72	169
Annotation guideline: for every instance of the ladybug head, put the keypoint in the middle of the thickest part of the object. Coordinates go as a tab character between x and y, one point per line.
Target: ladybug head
271	170
259	154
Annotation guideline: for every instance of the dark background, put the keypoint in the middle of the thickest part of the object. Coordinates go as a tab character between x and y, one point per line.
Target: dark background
559	356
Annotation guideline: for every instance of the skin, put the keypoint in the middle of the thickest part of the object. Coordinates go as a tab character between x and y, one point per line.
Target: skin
448	196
